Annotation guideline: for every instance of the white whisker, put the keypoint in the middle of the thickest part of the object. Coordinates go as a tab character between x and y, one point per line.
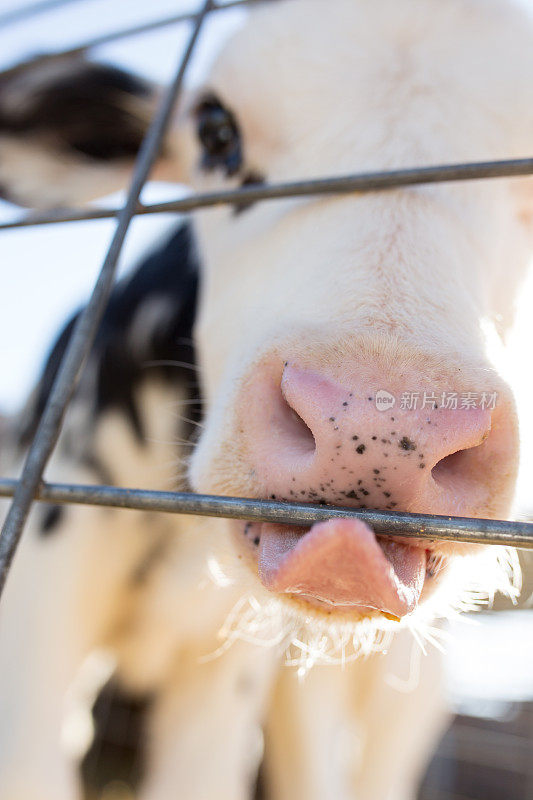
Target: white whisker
190	421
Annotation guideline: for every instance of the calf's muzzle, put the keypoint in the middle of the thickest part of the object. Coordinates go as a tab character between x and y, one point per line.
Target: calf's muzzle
368	438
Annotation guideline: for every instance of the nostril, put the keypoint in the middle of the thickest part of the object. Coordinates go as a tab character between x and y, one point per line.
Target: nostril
456	470
297	435
444	471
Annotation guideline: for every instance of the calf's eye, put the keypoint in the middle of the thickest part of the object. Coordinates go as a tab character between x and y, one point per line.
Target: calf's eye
219	136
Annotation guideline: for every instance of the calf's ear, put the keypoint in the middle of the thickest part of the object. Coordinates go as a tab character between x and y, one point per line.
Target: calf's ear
70	130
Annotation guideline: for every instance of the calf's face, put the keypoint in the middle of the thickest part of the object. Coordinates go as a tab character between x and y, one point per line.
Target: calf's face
346	343
349	345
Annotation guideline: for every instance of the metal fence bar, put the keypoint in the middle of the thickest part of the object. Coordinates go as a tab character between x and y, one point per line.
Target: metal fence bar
425	526
84	332
148	27
347	184
31	10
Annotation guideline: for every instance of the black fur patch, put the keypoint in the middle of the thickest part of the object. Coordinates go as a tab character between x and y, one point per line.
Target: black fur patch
117	754
250	179
51	519
100	469
126	352
44	386
90	108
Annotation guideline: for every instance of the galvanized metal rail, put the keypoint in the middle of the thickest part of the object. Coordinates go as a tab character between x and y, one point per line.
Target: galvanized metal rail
85	330
343	184
148	27
387	523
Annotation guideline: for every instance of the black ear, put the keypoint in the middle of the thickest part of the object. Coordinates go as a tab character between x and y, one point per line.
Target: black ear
61	114
94	109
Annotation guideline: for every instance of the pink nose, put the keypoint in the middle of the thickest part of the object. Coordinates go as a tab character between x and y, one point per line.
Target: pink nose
340	444
369	444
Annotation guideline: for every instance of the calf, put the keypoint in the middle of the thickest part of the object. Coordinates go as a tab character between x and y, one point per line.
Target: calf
347	352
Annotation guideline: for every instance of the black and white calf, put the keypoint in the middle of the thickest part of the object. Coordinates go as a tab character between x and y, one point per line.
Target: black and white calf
308	313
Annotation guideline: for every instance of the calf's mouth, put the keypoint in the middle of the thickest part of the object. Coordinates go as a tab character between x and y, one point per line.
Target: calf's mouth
341	565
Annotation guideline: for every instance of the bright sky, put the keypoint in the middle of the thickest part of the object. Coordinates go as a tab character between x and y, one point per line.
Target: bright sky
47	272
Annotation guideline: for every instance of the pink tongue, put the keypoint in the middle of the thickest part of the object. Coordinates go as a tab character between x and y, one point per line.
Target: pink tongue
342	563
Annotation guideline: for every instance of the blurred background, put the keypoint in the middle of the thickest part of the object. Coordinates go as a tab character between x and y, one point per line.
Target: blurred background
48	271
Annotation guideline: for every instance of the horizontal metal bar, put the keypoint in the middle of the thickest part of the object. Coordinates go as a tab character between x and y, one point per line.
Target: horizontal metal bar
424	526
148	27
347	184
83	335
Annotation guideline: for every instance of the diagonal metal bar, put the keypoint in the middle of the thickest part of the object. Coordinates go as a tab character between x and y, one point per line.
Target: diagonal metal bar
148	27
83	335
347	184
389	523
